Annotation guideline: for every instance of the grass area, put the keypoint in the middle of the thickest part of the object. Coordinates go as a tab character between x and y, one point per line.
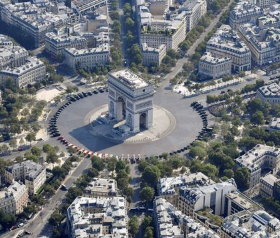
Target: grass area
213	219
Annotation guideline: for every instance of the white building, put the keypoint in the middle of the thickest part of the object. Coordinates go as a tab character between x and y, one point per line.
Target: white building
87	58
269	93
226	43
11	55
236	202
193	10
101	187
32	71
33	175
267	184
244	12
211	196
264	43
33	19
14	198
55	43
172	223
259	158
265	3
153	56
274	123
248	224
213	67
101	217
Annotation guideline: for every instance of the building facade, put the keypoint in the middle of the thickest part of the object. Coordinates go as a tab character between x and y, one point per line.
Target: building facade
98	217
211	196
130	99
267	185
212	67
225	43
244	12
32	71
87	58
153	56
269	93
33	175
259	158
14	198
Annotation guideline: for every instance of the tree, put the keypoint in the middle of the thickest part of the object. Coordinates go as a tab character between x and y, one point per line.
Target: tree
13	143
151	175
111	165
133	225
147	221
97	163
36	151
56	218
258	118
197	151
52	157
120	165
147	194
228	173
7	220
149	232
242	177
30	137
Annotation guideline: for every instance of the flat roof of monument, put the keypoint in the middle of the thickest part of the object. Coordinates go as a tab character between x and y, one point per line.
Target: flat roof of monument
129	79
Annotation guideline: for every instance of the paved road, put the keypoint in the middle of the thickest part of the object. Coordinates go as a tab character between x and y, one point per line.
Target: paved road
191	50
39	224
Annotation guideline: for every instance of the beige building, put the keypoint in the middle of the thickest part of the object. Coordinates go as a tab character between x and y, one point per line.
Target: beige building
269	93
212	67
98	217
153	56
87	58
32	71
211	196
33	175
55	43
100	187
14	198
259	158
267	184
226	43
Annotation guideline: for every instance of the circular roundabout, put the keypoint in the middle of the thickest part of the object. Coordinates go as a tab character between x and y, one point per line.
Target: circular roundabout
176	124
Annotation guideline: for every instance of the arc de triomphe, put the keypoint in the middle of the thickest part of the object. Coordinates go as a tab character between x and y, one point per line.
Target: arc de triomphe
130	99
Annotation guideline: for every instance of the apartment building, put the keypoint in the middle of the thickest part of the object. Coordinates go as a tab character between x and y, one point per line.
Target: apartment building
11	55
33	19
211	196
169	187
100	187
55	43
267	185
153	56
263	43
236	202
33	175
265	3
172	223
212	67
14	198
259	158
32	71
193	11
269	93
225	43
171	34
244	12
104	217
87	58
248	224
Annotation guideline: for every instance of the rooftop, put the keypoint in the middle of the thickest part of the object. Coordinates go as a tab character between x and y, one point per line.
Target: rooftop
207	57
271	90
169	185
107	212
129	79
270	179
100	185
170	222
14	190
